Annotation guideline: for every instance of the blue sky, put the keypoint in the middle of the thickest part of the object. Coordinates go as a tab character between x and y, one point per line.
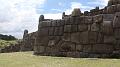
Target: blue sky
17	15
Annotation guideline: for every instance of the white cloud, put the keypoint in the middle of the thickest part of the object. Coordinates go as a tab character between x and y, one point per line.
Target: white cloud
17	15
60	4
84	7
57	10
77	5
100	3
53	16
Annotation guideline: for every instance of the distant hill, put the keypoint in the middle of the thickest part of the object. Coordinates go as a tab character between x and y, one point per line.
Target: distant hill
7	37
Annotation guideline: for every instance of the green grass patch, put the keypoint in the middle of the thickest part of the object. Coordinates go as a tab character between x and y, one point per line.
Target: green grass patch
26	59
4	43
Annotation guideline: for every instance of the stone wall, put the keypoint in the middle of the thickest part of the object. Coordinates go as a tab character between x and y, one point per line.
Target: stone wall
78	35
28	41
94	33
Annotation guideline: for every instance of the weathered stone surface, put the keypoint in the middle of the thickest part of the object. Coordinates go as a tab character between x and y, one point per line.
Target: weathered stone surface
51	31
116	22
87	48
108	17
109	39
98	18
84	37
79	47
103	48
100	38
107	28
75	37
95	27
51	43
66	37
56	31
111	9
76	12
117	33
82	27
74	28
71	54
92	37
44	31
88	20
67	46
61	31
67	28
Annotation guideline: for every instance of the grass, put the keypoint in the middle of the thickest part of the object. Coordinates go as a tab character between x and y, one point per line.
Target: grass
4	43
26	59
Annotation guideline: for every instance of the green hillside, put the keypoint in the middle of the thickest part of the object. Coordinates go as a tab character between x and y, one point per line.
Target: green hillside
4	43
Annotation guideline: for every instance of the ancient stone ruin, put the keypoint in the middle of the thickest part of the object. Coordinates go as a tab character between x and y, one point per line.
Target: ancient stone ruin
94	33
28	41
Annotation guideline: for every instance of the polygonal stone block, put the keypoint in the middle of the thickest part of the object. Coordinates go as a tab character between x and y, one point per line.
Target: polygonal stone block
56	32
51	31
93	37
95	27
75	37
51	43
88	20
82	27
74	28
84	37
67	21
107	28
102	48
61	31
66	37
117	33
41	49
54	23
98	18
67	28
109	39
100	38
79	47
108	17
87	48
70	54
116	22
43	31
67	46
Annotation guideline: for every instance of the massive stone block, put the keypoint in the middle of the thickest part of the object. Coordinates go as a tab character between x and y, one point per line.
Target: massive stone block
92	36
67	28
95	27
109	39
102	48
98	19
87	48
79	47
66	37
84	37
75	37
117	33
51	31
67	46
74	28
88	20
116	21
107	28
82	27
